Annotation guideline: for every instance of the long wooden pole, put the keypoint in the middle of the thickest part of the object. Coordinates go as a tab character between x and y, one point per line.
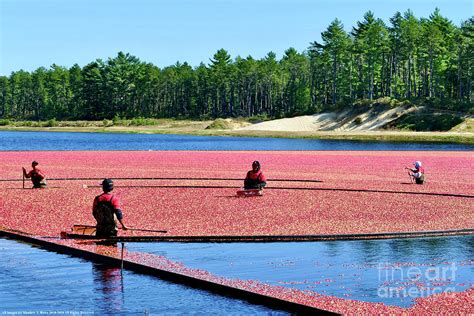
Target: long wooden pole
133	229
147	230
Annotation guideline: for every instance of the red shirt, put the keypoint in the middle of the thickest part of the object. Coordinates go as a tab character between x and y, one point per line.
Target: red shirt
36	174
106	197
256	176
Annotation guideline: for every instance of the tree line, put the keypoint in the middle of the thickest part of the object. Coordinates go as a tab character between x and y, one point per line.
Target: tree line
410	58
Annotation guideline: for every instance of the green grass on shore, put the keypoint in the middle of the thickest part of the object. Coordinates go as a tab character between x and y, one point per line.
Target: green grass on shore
187	127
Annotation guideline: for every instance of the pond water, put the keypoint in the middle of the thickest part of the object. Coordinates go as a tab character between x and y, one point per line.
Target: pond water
115	141
394	271
35	281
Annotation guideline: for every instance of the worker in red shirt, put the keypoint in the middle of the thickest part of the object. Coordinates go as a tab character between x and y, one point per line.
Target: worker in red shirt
37	176
106	211
417	173
255	178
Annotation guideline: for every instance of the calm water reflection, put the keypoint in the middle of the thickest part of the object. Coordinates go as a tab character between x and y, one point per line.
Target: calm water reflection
361	270
33	280
108	141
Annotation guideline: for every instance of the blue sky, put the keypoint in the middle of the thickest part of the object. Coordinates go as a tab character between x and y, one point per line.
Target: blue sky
36	33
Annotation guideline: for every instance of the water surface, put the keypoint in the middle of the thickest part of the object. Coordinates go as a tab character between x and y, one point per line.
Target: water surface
394	272
116	141
36	281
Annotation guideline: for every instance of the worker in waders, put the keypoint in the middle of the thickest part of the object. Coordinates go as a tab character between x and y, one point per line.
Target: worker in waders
255	178
107	212
38	177
417	173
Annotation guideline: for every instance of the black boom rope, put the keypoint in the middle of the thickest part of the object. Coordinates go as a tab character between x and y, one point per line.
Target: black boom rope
283	188
255	238
281	238
168	178
296	189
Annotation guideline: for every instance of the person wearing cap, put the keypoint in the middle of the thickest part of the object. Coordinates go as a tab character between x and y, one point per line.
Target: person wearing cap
417	173
255	178
38	177
106	211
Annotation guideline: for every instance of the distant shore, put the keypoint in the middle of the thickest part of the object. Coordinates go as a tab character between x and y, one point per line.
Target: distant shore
198	128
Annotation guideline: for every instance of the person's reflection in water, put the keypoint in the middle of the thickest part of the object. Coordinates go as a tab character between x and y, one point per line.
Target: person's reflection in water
109	281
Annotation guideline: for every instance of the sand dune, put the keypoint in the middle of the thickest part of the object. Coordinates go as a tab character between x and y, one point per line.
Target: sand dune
347	120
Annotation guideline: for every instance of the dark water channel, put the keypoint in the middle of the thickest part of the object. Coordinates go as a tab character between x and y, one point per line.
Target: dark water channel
115	141
37	282
392	271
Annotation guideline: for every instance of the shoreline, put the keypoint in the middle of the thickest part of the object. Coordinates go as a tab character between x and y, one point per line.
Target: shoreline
373	136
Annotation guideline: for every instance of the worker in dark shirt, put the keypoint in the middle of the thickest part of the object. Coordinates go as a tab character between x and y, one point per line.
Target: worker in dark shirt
255	178
38	177
106	211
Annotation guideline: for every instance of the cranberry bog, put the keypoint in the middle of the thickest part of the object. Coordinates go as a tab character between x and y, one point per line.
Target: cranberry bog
193	193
